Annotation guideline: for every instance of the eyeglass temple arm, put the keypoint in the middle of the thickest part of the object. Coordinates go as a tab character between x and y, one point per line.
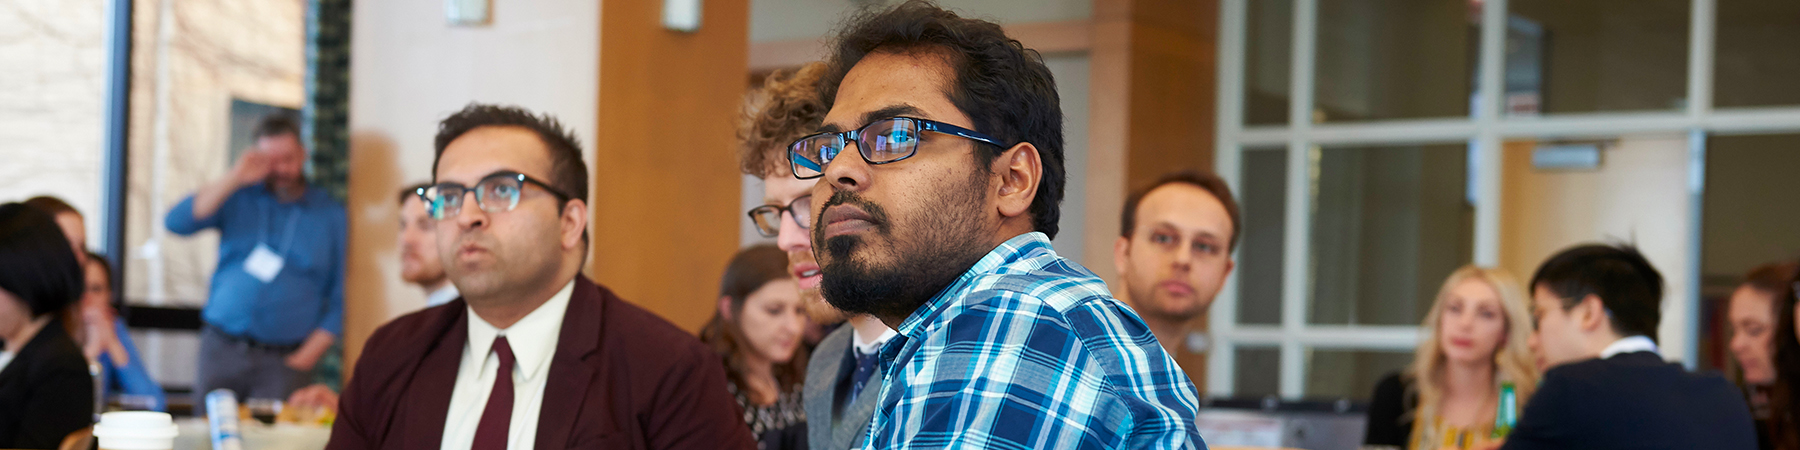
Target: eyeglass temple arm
960	132
803	162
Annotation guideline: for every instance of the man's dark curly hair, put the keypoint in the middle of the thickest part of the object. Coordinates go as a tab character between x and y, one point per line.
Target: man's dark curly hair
568	173
1001	85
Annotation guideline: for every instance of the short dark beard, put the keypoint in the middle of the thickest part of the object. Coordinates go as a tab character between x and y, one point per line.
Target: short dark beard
944	242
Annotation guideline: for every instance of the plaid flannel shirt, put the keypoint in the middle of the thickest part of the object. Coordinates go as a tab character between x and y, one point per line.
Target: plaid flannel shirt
1027	350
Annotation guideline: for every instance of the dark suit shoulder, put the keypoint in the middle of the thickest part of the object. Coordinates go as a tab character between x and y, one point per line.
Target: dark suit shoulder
60	352
1386	408
674	383
50	354
1634	400
653	349
414	327
645	333
395	344
49	379
1639	368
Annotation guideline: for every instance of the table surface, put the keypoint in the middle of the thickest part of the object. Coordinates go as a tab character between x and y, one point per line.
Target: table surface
196	435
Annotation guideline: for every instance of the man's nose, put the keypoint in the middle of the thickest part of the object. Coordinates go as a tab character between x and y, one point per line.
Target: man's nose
792	238
470	215
848	171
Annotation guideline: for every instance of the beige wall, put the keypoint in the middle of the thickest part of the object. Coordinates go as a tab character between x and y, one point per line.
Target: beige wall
1638	195
409	69
52	64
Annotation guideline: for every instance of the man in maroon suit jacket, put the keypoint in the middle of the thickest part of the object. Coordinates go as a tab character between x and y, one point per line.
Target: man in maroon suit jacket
533	355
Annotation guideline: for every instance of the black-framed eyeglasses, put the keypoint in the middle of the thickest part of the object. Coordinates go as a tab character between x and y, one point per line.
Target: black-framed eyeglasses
880	142
768	217
495	193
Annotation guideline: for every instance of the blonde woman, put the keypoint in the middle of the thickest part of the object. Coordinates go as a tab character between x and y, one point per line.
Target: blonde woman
1475	340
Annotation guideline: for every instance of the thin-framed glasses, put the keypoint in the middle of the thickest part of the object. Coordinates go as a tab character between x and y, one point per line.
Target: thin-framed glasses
495	193
768	217
880	142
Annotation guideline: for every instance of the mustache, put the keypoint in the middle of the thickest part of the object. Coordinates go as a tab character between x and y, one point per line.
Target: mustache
876	213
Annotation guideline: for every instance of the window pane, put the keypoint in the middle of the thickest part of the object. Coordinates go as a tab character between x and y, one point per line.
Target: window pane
1748	218
1350	374
1599	55
1268	58
1256	372
1260	250
1757	62
1390	224
1394	59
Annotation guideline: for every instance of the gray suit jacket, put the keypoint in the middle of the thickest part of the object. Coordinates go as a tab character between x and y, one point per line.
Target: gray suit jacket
824	429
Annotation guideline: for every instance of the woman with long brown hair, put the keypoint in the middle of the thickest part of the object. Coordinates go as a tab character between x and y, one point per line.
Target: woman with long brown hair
1754	309
757	331
1784	396
1475	346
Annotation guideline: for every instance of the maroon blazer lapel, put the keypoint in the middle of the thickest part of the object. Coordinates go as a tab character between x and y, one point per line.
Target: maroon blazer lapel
572	367
427	402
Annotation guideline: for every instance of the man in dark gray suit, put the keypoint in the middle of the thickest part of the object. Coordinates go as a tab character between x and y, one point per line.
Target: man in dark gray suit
837	399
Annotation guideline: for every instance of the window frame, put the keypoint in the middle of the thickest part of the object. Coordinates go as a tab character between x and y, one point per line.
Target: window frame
1485	129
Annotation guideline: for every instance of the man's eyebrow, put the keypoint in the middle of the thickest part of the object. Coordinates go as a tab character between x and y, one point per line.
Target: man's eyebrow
890	112
483	177
887	112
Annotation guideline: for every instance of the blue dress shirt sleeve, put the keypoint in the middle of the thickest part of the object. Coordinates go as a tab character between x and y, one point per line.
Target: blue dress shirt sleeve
133	379
181	218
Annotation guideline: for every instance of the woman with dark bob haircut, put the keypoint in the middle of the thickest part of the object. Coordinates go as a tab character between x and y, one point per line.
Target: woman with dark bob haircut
45	390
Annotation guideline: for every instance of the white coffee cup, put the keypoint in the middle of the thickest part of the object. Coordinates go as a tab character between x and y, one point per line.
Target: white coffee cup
136	430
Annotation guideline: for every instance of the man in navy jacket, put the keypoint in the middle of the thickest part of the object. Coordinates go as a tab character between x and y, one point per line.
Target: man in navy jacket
1596	310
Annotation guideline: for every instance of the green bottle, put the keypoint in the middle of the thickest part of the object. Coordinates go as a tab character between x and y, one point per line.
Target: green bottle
1508	414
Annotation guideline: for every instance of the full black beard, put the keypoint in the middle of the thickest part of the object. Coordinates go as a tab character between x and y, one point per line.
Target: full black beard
943	246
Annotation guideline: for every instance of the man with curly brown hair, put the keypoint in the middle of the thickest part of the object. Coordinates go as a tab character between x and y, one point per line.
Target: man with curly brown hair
837	407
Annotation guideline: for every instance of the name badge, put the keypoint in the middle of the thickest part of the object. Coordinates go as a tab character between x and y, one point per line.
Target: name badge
263	263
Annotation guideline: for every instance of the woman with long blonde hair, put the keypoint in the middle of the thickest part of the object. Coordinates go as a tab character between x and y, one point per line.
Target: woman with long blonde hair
1474	341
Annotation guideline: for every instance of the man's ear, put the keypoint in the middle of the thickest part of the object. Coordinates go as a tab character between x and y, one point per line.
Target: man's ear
574	222
1020	170
1122	256
1592	315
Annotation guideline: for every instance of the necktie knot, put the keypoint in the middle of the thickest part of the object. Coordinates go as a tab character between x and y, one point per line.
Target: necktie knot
504	351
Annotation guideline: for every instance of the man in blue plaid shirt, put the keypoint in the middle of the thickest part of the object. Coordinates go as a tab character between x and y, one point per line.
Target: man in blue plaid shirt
937	220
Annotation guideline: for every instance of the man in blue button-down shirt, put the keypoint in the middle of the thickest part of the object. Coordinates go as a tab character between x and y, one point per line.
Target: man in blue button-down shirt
277	296
940	170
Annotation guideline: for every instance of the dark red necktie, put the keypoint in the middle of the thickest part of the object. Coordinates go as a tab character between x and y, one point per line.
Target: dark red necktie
490	434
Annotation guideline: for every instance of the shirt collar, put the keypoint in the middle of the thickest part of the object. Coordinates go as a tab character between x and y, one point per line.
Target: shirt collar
1017	248
442	295
532	338
1631	344
870	347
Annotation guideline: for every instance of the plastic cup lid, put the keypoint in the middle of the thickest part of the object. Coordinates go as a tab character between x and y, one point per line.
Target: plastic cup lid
136	424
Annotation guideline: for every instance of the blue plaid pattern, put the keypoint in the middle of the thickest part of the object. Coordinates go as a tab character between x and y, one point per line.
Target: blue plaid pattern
1028	350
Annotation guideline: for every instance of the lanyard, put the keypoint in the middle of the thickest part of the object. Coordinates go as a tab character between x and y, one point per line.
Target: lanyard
288	236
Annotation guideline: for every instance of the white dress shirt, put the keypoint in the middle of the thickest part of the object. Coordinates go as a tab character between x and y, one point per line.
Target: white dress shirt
442	295
871	347
1639	343
533	341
